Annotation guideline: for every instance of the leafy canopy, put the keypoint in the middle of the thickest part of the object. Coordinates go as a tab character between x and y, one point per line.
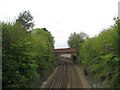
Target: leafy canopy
26	19
76	40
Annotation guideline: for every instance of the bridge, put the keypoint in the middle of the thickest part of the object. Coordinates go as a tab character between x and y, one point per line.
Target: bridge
68	53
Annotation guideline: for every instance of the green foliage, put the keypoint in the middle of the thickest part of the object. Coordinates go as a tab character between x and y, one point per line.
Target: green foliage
76	40
25	55
25	18
19	66
100	55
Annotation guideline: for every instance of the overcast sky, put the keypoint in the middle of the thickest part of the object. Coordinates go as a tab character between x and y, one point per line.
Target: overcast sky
62	17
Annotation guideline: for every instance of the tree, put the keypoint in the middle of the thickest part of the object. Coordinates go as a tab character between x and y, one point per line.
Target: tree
25	18
76	40
29	57
99	55
44	29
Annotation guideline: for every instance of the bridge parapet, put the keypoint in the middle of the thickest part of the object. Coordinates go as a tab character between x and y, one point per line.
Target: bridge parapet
65	50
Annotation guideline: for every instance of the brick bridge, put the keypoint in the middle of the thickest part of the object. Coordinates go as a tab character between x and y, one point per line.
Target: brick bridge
69	53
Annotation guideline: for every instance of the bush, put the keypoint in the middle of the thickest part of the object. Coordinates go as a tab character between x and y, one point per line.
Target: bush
100	54
25	55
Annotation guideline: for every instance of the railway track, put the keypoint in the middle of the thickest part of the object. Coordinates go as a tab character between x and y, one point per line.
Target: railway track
66	76
59	77
74	77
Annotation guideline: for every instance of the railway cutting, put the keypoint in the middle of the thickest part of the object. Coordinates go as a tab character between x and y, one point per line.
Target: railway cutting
66	75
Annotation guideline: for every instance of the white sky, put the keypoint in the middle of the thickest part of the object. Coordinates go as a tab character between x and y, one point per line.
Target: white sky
62	17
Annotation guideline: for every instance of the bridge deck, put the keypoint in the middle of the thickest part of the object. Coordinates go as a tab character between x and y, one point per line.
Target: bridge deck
65	50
